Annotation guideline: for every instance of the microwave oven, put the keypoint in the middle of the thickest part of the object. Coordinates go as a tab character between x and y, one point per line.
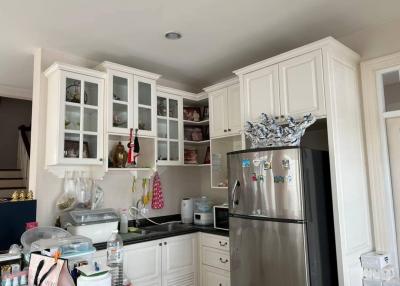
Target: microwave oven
221	217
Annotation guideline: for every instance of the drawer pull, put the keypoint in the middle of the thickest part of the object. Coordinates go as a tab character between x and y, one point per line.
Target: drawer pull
223	261
223	244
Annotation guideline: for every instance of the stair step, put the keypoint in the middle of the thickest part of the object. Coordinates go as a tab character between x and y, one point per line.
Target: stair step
10	173
12	183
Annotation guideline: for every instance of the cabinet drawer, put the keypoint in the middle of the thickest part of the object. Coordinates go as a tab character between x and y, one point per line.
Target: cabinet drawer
214	277
215	241
216	258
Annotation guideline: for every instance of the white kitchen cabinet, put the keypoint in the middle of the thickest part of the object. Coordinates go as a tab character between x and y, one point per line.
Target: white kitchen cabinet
131	99
261	93
211	276
167	262
218	112
302	85
169	128
234	110
74	116
293	87
225	110
215	260
179	256
142	263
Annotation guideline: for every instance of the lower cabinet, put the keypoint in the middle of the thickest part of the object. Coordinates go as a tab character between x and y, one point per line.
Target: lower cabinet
214	260
167	262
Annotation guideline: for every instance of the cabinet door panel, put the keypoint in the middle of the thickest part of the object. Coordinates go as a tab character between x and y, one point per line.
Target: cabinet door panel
214	277
261	93
234	110
142	262
218	112
145	114
180	260
302	86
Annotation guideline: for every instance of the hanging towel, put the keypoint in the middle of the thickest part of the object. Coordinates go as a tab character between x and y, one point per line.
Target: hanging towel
158	198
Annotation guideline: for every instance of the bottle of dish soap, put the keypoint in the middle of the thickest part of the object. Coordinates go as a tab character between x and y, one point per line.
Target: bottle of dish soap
115	258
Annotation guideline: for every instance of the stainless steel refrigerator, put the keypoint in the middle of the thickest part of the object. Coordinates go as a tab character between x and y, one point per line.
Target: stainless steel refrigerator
280	218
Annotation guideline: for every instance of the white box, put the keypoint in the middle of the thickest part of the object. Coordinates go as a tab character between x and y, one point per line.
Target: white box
375	260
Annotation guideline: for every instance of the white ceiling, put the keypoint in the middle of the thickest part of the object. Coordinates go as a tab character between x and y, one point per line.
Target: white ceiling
218	35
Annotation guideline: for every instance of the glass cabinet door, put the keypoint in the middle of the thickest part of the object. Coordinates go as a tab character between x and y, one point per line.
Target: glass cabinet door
390	88
145	102
120	101
82	123
168	130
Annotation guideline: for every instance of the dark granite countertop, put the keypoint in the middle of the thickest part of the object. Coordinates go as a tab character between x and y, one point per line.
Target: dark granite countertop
181	229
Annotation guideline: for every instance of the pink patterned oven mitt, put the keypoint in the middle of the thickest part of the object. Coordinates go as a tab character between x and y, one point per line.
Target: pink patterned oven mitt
157	201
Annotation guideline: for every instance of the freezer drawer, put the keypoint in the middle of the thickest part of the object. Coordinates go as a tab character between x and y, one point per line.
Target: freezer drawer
267	253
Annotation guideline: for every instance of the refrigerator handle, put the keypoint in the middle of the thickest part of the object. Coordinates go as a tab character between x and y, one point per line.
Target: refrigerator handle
235	201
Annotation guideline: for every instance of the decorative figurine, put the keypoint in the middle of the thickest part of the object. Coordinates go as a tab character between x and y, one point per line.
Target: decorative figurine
119	156
22	196
29	196
14	196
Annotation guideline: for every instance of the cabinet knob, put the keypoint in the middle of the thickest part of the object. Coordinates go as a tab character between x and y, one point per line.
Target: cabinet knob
225	130
220	284
160	244
229	130
276	117
165	243
282	116
101	159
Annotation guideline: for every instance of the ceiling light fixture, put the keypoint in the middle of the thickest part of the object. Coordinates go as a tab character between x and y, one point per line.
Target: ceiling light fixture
173	35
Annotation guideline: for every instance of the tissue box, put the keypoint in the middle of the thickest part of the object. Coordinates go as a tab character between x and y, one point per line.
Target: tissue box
375	260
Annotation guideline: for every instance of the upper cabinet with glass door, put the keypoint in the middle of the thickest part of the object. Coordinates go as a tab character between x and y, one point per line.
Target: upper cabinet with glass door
131	99
389	85
169	129
74	116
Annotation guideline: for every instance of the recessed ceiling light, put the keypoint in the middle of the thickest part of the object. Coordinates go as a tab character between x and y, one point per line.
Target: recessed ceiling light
173	35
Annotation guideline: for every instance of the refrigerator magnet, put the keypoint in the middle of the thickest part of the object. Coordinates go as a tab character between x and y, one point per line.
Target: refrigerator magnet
245	163
256	162
254	177
267	165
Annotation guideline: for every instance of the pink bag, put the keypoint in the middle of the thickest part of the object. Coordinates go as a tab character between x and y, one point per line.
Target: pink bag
46	271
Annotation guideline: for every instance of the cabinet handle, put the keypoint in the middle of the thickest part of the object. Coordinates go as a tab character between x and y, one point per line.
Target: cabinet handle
223	244
223	261
101	159
282	116
160	244
165	243
225	130
220	284
276	117
229	129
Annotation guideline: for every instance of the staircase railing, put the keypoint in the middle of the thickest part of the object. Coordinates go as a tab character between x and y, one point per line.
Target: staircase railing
23	152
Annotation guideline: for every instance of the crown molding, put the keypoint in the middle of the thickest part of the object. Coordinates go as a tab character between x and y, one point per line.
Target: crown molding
222	84
184	94
110	65
15	92
71	68
328	41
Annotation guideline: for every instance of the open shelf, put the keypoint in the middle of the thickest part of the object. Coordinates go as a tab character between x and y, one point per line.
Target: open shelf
197	123
196	142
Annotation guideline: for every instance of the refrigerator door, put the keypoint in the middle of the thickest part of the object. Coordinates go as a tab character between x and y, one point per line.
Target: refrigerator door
266	183
267	253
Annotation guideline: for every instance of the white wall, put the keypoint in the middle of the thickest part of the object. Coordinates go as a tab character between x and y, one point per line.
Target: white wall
178	182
